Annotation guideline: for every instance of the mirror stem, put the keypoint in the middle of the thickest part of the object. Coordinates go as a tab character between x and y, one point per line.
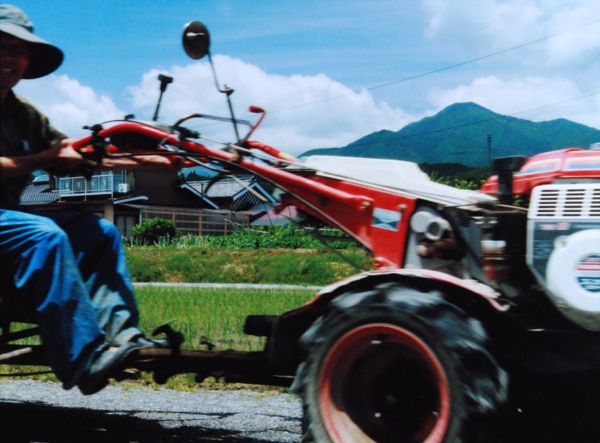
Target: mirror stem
227	91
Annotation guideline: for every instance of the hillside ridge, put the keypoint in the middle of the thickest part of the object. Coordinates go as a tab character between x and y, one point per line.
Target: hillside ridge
469	134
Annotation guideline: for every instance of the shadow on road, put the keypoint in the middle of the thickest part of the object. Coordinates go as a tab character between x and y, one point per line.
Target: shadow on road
29	422
551	410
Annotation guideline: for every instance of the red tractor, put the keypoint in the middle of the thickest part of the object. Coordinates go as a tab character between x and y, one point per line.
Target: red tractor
470	295
572	165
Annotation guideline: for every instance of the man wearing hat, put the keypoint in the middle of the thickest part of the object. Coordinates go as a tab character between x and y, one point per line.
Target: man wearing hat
69	269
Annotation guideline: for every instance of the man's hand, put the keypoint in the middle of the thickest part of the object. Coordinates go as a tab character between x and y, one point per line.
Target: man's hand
144	162
64	157
60	159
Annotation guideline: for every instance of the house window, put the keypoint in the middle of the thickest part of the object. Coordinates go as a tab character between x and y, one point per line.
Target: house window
125	224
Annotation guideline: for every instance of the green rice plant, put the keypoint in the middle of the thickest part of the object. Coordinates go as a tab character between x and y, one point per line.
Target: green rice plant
216	316
202	314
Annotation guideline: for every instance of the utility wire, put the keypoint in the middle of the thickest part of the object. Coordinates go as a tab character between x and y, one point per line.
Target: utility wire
445	68
483	57
453	66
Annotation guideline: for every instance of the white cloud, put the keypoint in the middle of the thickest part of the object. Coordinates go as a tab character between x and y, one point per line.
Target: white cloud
552	70
304	112
310	111
532	98
567	31
68	104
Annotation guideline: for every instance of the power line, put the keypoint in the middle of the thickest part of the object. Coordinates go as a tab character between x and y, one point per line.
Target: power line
483	57
445	68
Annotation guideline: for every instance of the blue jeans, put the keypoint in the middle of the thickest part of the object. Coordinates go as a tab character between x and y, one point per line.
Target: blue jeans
69	269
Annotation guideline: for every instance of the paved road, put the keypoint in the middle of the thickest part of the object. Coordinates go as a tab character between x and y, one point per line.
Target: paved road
43	412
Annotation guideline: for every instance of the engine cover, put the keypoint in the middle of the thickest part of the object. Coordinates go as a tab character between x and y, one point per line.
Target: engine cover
564	248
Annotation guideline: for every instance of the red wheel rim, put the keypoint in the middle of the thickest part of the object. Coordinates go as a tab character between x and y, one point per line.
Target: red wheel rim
381	383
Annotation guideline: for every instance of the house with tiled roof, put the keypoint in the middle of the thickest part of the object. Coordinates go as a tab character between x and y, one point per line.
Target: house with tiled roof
127	198
236	193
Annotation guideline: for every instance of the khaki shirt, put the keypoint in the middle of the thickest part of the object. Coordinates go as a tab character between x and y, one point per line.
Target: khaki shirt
23	131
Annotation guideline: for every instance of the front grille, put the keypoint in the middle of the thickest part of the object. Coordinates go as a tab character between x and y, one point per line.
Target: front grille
580	201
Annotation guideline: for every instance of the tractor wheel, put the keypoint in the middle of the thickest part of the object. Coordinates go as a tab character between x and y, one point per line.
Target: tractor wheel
397	365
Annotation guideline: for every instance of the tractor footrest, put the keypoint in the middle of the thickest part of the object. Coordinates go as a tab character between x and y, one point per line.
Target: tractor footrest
259	325
23	355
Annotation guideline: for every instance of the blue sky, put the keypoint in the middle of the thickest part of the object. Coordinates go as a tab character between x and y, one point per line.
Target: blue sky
328	72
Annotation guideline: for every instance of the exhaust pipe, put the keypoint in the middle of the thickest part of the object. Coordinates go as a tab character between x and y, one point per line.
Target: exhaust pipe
505	167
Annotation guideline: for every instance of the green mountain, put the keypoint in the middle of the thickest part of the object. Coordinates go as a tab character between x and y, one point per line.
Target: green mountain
459	134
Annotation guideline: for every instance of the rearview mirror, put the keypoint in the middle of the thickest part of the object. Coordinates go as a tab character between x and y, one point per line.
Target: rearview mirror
196	40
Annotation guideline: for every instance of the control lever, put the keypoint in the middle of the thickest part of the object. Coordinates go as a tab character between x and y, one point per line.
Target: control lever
165	80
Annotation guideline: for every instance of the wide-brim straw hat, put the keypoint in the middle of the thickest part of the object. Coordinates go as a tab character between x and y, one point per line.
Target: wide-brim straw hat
44	57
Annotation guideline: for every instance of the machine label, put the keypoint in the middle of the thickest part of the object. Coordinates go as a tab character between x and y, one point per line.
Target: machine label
588	273
386	219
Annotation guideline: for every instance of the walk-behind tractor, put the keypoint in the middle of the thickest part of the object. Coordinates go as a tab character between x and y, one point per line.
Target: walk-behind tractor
470	295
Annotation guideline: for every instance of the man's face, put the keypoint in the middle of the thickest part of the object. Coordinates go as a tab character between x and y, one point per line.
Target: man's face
14	60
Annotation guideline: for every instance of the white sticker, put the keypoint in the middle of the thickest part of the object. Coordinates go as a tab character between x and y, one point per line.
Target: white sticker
386	219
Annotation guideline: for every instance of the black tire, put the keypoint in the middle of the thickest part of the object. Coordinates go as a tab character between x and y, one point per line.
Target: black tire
397	365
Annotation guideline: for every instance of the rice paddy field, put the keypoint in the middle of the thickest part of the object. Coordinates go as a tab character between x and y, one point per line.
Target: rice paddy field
217	315
213	314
